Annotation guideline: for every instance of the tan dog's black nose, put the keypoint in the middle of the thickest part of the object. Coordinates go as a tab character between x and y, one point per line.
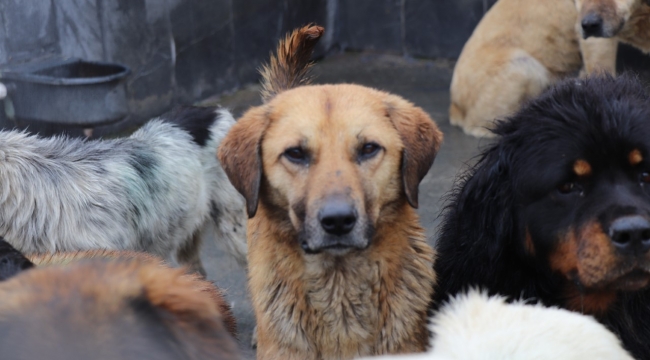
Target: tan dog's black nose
631	234
337	217
592	25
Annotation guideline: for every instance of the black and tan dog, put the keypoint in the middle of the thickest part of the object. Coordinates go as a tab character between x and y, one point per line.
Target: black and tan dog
558	210
338	263
109	305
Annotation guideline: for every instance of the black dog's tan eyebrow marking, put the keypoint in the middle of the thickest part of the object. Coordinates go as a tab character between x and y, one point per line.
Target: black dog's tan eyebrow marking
582	168
635	157
528	243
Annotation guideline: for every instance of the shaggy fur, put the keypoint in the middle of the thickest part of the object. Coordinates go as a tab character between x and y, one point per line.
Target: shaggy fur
475	326
66	258
158	190
521	47
540	215
122	308
279	75
339	265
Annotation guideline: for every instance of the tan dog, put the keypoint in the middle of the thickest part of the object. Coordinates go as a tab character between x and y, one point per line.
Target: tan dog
338	263
521	47
111	305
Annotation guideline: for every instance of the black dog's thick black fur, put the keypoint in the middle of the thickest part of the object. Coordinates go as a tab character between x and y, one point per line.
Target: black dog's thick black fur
482	236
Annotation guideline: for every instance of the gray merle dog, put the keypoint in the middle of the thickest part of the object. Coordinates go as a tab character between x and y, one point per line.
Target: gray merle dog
161	190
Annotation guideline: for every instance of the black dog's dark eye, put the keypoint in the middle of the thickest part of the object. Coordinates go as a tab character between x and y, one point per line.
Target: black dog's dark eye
369	150
566	187
645	178
296	155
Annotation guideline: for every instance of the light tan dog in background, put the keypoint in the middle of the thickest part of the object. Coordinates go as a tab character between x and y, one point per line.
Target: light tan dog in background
338	262
521	47
614	20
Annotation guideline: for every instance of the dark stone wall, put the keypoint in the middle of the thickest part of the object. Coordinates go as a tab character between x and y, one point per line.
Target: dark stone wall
421	28
440	28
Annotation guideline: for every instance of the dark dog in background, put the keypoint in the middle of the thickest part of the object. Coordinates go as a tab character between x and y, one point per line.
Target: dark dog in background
558	210
160	190
109	305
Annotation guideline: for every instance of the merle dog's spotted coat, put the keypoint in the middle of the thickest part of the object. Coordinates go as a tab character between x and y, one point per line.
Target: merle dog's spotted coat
558	209
153	191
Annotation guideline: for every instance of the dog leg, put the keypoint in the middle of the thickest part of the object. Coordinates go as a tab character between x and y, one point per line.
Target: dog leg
188	255
598	55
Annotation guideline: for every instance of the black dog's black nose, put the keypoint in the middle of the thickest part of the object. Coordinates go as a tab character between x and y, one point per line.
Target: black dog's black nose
592	25
337	217
631	234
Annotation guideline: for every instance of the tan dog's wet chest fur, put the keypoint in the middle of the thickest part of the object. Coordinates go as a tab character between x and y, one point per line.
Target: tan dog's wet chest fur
338	263
327	306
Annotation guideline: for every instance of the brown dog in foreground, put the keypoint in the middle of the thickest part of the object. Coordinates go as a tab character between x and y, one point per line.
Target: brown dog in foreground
338	263
521	47
112	305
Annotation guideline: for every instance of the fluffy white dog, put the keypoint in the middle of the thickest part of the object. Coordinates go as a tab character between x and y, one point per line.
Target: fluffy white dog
475	326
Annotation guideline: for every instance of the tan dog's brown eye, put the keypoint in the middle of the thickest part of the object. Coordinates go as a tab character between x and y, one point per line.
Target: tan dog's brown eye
368	151
566	188
645	178
296	155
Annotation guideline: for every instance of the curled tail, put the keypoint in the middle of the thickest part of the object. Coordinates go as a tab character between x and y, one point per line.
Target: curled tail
289	68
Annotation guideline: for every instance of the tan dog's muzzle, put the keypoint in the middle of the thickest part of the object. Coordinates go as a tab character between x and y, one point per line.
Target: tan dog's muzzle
337	227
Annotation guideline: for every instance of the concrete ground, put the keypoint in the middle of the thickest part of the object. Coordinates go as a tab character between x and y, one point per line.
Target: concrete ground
423	82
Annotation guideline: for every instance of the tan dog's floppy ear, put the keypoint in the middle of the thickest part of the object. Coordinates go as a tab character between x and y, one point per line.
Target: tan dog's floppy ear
421	139
240	156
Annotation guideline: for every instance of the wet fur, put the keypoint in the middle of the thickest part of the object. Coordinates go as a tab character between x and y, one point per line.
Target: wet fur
290	67
484	238
373	299
158	190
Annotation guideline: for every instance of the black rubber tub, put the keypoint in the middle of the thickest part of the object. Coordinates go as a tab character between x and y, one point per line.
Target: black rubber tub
67	92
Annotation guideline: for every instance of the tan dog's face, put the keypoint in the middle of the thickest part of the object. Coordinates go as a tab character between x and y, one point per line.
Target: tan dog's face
333	161
604	18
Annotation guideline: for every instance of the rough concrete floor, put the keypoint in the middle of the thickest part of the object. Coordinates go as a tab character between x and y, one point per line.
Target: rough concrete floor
423	82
